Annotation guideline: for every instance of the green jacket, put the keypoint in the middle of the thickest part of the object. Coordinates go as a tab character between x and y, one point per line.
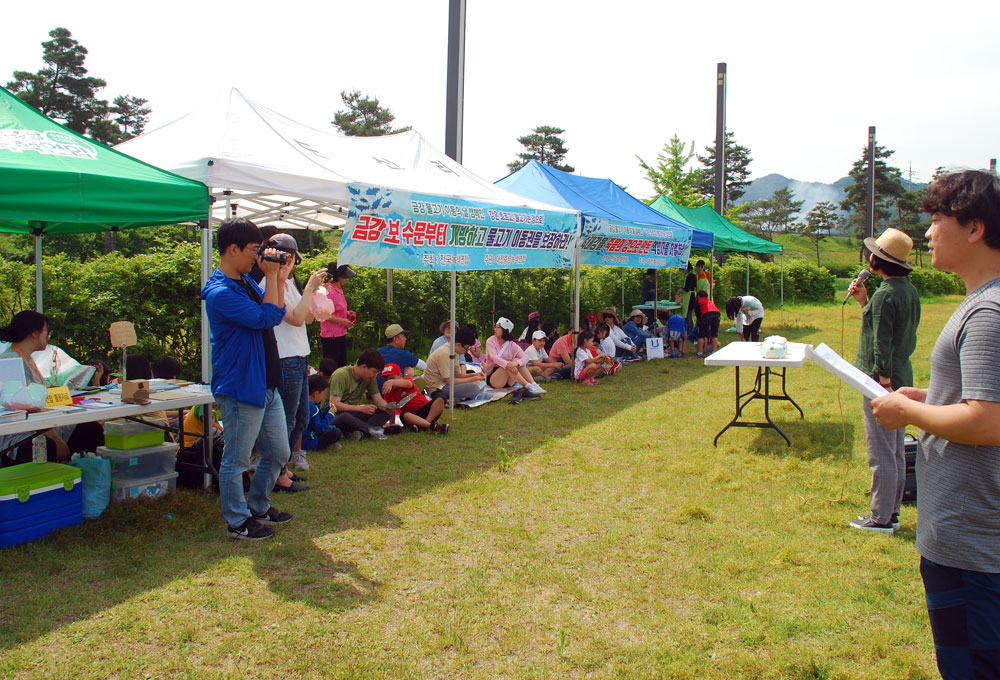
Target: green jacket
889	332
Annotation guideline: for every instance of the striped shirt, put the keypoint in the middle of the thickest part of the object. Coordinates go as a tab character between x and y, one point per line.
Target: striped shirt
959	485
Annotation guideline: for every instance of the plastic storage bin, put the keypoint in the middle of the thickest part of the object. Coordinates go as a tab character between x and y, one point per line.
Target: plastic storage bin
133	464
125	435
149	487
36	499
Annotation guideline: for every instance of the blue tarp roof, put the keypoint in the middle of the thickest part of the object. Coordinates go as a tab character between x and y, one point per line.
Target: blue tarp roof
592	196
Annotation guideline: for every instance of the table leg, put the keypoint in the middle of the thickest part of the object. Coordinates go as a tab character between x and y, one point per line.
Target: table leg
784	393
739	409
767	401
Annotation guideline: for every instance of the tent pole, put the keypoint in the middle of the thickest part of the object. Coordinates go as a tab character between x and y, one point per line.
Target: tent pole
656	295
576	292
206	272
711	273
451	353
782	260
38	269
748	272
388	285
623	290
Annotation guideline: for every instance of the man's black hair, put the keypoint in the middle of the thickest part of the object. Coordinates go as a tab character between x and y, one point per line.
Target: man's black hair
371	358
465	336
167	368
317	383
966	196
327	365
548	328
238	231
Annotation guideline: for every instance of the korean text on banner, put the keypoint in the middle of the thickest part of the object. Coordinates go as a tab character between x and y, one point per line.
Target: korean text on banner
395	229
623	244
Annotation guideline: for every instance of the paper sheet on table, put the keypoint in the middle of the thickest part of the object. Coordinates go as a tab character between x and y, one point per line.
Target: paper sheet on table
848	373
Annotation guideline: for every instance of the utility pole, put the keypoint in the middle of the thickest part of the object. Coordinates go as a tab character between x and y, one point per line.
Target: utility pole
720	139
870	205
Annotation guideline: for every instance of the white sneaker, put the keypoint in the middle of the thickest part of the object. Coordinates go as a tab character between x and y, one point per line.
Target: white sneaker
299	460
535	388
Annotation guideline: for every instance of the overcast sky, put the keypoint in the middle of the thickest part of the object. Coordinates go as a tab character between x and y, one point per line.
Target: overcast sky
805	79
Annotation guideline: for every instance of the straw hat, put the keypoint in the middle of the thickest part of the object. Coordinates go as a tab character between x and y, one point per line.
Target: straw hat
638	312
892	246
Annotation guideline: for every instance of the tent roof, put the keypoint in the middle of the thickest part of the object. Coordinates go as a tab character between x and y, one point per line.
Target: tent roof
239	144
728	237
592	196
62	182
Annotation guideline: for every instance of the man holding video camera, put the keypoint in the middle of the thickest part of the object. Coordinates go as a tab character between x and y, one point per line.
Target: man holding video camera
246	374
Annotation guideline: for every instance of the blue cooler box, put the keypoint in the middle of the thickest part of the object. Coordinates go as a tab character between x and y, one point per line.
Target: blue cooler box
36	499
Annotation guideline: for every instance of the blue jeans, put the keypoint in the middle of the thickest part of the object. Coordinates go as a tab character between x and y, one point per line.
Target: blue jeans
243	427
295	397
964	609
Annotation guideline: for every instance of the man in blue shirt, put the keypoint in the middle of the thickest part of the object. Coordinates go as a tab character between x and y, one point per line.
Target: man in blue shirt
394	353
246	374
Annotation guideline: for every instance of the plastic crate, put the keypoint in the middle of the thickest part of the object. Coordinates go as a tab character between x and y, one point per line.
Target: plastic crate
124	435
149	487
133	464
36	499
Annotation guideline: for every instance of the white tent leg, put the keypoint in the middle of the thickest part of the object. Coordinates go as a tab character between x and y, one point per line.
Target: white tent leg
451	353
206	272
782	260
388	285
38	270
576	292
623	292
748	272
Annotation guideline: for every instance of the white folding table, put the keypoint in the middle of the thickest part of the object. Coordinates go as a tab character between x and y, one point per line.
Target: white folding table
748	354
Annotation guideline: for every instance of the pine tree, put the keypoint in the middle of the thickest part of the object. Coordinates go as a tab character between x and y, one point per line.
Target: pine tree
364	117
738	161
888	190
545	146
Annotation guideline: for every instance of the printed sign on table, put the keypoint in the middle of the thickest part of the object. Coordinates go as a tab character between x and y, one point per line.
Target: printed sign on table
624	244
395	229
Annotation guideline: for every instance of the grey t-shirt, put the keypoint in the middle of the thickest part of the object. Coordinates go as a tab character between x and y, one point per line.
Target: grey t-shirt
958	485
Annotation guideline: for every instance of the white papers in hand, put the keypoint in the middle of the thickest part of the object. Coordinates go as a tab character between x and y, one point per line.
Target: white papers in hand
847	373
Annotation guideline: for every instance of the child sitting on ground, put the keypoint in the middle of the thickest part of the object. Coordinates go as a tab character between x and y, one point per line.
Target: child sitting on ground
320	433
587	366
539	363
417	411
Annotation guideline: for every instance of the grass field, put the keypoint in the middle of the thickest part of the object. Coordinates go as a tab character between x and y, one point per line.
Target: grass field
595	533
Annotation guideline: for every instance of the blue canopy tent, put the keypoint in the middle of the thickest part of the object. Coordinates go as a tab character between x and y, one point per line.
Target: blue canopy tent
610	216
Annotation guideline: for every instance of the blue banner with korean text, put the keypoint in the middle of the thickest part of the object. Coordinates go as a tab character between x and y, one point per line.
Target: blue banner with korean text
611	243
395	229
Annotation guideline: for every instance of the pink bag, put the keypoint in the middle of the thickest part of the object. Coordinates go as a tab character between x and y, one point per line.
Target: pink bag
321	307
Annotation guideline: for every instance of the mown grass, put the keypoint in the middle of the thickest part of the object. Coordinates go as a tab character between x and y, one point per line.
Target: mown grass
602	537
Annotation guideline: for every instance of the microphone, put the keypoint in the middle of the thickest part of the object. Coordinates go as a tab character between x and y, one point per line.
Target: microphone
862	275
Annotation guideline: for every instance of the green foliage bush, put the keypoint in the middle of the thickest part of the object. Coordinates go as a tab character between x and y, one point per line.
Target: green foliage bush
803	282
928	282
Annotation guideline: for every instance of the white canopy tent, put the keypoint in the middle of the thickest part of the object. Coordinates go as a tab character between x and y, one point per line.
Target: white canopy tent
275	169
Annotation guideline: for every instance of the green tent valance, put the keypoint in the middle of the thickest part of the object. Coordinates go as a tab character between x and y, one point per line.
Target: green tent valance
728	237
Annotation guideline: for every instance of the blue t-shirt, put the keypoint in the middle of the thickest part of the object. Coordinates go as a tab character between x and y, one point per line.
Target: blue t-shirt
400	357
676	322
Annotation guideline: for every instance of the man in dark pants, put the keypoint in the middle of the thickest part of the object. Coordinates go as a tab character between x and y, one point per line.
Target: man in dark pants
958	468
349	386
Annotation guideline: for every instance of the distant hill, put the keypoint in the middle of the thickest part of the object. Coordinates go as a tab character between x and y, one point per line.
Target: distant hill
810	193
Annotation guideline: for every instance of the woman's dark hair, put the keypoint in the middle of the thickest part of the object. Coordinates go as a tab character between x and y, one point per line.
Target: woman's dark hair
548	328
465	336
105	371
504	333
650	272
663	315
167	368
733	306
887	267
238	231
583	337
533	326
966	196
602	328
137	367
24	324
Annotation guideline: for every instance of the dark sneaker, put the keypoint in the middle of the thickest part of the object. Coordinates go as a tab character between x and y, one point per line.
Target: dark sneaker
866	524
354	436
516	397
442	428
296	478
413	428
251	530
294	487
393	429
272	516
528	394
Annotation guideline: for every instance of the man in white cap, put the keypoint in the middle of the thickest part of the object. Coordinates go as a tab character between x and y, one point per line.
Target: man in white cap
889	323
539	364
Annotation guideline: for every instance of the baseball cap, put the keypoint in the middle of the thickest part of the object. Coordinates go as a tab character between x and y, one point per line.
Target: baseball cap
287	243
538	335
390	369
393	330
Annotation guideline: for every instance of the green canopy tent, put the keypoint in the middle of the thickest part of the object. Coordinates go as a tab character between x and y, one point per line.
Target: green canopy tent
55	181
728	237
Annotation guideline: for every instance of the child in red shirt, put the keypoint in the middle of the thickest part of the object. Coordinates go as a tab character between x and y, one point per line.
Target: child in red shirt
417	411
708	324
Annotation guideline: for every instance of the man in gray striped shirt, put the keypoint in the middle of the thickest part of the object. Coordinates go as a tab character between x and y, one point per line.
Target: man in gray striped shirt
958	469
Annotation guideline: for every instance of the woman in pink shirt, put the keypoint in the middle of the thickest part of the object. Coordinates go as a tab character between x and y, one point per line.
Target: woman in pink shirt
504	362
333	331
